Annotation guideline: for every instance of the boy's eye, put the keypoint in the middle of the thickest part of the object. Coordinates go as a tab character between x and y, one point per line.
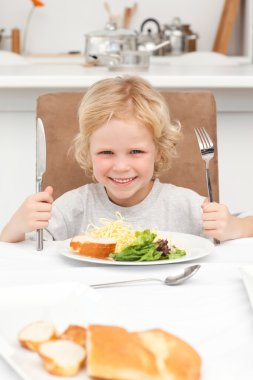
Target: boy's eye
106	152
136	151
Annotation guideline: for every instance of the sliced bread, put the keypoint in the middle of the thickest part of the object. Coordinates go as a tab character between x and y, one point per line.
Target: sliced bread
32	335
62	357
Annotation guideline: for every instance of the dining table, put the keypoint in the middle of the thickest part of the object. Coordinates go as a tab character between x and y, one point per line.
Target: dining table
211	311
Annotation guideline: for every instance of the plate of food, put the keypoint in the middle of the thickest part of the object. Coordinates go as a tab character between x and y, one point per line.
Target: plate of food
117	243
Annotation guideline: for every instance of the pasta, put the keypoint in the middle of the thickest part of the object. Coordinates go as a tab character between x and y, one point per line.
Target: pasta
117	229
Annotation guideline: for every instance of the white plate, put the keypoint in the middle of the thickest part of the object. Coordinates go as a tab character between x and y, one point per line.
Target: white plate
195	246
247	276
61	303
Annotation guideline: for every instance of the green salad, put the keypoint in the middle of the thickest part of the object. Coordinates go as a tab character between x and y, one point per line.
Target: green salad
148	247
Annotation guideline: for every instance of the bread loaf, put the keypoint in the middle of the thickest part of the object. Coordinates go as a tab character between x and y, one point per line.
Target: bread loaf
114	353
175	358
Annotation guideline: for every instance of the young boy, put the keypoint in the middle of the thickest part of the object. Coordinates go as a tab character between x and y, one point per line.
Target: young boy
126	140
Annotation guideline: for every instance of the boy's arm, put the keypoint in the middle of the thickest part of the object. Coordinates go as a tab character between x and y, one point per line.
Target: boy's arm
10	235
245	226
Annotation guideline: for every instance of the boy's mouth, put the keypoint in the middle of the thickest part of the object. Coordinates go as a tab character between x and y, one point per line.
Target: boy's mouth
123	180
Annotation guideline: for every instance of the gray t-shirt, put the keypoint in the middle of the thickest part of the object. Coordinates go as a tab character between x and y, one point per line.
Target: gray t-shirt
167	207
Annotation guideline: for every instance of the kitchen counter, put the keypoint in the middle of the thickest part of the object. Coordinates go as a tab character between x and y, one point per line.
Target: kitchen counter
162	74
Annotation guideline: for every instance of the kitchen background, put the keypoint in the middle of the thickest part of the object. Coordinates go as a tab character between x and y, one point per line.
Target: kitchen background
59	26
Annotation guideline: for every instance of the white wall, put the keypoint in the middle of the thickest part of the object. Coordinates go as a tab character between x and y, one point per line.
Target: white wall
59	26
17	161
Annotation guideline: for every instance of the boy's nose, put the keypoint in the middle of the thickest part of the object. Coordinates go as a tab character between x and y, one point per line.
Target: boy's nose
121	164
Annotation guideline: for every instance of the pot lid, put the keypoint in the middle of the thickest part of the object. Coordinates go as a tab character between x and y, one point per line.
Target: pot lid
111	30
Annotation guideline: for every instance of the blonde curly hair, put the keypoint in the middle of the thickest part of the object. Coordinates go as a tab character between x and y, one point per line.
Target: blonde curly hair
121	98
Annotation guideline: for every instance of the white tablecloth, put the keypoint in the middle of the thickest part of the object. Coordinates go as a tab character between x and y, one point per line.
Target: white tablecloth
211	310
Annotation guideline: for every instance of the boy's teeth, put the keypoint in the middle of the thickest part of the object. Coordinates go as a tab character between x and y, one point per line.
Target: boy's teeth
122	180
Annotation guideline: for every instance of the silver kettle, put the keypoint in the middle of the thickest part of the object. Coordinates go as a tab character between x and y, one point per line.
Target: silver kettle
148	39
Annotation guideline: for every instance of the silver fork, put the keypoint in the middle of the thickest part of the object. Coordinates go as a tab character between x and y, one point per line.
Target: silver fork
207	153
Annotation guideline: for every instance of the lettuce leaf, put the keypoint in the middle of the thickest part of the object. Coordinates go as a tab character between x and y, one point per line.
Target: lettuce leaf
144	248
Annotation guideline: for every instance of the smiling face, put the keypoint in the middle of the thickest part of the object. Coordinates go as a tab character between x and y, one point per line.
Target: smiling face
123	154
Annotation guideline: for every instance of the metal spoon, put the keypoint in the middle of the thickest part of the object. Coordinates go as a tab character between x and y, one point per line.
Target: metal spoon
170	280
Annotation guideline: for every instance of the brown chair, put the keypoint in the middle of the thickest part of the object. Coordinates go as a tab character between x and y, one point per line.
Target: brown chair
58	112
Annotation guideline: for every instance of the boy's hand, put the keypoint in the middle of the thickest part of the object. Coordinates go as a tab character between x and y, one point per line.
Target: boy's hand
33	214
218	223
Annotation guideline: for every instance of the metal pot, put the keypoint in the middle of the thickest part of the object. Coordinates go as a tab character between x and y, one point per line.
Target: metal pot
109	41
181	37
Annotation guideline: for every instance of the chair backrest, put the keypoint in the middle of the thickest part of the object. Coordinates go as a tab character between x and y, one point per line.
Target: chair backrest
58	112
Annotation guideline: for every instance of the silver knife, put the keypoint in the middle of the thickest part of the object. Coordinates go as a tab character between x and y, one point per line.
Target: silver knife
40	169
